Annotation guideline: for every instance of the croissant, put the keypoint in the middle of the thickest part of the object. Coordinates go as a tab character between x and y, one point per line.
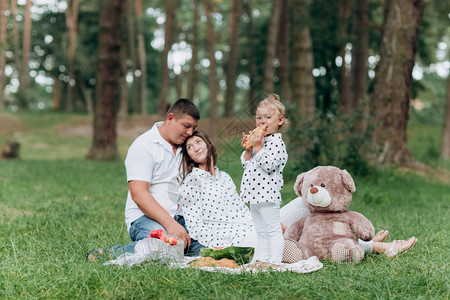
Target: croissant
261	130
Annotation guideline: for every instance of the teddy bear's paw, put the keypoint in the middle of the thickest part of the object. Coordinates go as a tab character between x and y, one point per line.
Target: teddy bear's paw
366	235
291	253
346	252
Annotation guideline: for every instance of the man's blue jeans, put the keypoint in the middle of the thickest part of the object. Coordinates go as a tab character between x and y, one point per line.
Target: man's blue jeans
141	228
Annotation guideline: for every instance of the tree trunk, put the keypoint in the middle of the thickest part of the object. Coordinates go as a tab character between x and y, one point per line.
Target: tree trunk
179	85
142	59
86	95
192	77
16	35
57	94
72	23
445	153
304	91
212	82
392	90
233	57
344	18
271	46
24	77
10	150
3	47
283	51
168	37
251	58
104	145
123	109
132	55
360	55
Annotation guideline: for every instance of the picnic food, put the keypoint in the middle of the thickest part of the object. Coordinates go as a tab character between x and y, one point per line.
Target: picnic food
159	234
211	262
241	255
261	130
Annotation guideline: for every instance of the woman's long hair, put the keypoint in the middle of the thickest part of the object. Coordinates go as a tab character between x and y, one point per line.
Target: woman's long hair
187	163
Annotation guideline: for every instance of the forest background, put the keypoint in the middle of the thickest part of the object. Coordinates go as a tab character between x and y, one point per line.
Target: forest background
350	72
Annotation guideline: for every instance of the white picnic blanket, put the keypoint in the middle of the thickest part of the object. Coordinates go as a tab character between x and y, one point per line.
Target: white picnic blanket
155	250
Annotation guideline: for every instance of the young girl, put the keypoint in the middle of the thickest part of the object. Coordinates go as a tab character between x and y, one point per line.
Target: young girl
262	181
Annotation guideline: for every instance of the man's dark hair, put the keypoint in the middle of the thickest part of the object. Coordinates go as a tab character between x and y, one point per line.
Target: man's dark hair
184	107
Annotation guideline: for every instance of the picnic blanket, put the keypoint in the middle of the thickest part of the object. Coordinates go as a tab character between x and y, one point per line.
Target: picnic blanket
156	251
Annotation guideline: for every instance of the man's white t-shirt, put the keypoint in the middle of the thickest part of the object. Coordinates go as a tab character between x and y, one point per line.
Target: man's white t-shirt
150	158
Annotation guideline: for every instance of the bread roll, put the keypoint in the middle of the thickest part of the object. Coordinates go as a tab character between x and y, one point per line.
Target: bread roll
261	130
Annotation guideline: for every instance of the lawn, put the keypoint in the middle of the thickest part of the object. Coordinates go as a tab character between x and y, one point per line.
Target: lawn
55	206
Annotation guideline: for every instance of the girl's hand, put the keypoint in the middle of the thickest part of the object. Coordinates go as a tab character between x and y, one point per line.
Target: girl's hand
244	141
257	141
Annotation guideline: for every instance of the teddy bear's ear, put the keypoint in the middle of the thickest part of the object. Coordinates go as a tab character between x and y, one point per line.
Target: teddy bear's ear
348	181
298	184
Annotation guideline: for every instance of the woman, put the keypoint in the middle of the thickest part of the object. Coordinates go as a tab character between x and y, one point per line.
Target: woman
217	217
214	214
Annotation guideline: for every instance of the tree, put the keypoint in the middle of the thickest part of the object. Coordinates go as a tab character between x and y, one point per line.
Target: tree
392	90
250	55
3	45
303	92
192	76
271	46
131	42
168	37
445	151
212	82
24	77
104	145
72	23
233	56
123	109
283	50
360	53
344	19
142	57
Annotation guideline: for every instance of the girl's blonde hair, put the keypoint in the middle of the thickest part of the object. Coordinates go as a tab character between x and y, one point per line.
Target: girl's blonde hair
273	103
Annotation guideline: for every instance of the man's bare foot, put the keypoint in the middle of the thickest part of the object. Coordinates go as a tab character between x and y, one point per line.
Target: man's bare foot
380	236
397	247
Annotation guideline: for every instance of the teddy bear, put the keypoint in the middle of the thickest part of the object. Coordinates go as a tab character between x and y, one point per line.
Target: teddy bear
330	231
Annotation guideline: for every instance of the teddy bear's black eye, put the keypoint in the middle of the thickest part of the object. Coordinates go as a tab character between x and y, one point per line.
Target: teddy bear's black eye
322	185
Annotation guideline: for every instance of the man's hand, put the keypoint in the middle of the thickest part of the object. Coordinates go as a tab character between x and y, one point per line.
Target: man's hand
174	228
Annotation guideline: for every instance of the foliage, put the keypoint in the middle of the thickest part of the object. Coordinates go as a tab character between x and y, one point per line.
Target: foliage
330	139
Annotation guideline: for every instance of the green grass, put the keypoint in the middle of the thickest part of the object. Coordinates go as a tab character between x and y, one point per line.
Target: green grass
55	207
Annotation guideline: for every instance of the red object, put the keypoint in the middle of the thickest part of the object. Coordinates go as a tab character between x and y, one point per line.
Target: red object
171	240
159	234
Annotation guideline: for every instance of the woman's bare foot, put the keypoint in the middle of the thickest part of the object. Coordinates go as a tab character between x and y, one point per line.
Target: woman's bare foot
397	247
380	236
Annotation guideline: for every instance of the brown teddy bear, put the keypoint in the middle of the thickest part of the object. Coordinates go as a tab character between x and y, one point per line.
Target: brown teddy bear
330	231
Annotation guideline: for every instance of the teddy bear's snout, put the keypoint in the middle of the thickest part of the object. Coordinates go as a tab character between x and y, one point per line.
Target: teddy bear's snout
318	196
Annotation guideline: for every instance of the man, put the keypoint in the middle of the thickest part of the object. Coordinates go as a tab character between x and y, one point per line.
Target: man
152	166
